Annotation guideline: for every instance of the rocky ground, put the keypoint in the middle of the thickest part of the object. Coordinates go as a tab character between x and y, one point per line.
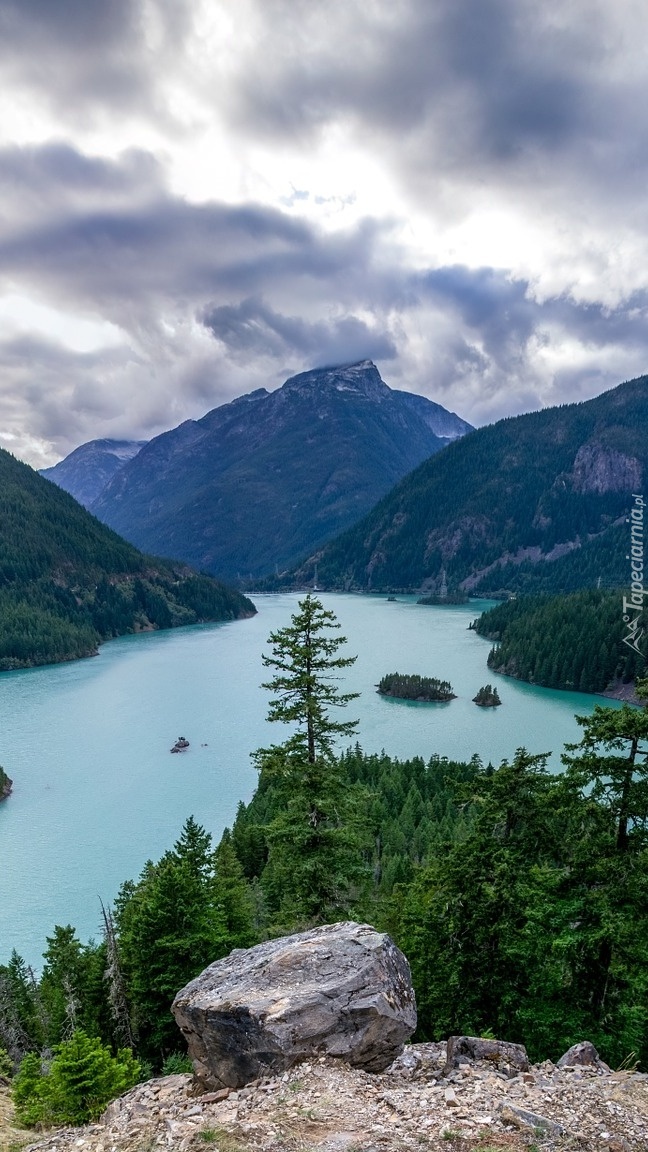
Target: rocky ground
11	1138
325	1106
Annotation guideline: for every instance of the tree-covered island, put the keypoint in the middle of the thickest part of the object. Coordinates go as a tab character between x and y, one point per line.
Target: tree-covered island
5	784
487	697
438	601
424	689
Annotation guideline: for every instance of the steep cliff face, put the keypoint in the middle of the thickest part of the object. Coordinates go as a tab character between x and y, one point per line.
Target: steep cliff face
255	483
600	469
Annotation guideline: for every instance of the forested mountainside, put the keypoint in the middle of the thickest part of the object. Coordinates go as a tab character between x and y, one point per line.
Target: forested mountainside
254	484
67	582
87	470
504	504
573	642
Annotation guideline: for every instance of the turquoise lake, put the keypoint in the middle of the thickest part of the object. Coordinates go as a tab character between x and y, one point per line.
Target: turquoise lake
97	793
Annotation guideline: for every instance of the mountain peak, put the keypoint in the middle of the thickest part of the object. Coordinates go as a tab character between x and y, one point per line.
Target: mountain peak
361	377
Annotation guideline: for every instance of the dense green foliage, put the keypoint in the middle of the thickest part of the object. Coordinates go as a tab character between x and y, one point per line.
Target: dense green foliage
596	563
67	582
538	481
404	687
75	1086
536	926
410	810
573	642
441	601
189	909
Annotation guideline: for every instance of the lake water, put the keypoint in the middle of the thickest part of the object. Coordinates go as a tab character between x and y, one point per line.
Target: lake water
96	792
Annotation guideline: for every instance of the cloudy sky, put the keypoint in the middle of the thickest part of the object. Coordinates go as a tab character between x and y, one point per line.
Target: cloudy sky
199	198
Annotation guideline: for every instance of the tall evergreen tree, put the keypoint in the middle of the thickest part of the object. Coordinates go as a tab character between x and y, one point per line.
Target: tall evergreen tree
315	868
304	656
179	917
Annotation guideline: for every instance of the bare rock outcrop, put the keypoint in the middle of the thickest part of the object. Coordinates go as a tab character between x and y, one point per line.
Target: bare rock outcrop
327	1106
342	990
583	1055
497	1054
600	469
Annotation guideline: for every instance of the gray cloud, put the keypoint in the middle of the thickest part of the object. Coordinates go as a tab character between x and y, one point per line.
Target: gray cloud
253	326
213	299
539	110
510	95
110	233
86	58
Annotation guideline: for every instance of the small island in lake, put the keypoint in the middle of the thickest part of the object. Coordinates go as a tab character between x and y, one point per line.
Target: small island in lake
425	689
5	784
180	744
487	697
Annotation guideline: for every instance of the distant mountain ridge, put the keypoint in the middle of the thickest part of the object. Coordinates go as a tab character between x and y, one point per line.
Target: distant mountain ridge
87	470
512	505
255	483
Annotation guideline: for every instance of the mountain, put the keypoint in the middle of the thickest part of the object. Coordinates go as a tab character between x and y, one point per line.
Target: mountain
67	582
516	497
257	482
87	470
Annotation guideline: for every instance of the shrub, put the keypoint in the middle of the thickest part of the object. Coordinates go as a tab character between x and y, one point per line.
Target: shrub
176	1063
82	1077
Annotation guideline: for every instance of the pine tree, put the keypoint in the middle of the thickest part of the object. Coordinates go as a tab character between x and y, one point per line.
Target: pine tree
610	767
316	867
612	758
304	656
169	929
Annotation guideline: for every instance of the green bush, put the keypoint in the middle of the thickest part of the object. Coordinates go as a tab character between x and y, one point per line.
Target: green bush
82	1077
176	1063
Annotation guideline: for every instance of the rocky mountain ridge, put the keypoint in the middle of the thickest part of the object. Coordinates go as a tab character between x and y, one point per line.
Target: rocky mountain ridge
87	470
256	482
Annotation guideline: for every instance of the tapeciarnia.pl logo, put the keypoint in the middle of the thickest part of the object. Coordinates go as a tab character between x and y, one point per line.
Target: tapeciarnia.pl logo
634	605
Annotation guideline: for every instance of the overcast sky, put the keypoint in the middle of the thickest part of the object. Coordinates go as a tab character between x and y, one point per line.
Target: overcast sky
201	198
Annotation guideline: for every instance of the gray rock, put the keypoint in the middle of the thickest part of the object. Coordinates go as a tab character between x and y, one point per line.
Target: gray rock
529	1121
582	1055
341	990
419	1060
497	1054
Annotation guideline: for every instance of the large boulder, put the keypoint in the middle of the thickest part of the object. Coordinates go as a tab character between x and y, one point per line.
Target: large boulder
497	1054
582	1055
341	990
